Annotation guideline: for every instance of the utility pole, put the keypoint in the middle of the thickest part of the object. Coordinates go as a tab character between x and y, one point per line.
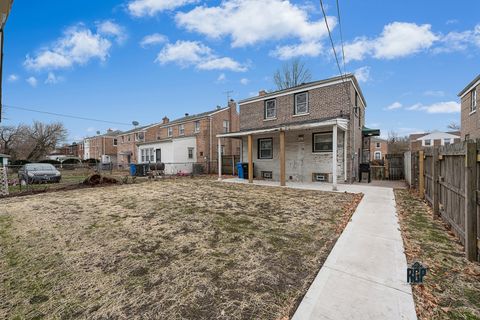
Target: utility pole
5	7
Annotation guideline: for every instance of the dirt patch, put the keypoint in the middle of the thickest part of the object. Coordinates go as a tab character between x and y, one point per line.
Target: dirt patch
170	249
452	286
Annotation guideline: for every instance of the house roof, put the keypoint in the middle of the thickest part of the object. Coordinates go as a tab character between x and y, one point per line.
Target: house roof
107	134
2	155
435	135
308	85
470	86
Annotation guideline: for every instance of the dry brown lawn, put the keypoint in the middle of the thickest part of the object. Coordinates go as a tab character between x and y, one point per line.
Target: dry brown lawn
173	249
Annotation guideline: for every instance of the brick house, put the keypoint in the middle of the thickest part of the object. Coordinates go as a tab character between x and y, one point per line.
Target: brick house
74	150
378	149
419	141
470	118
181	142
102	147
311	132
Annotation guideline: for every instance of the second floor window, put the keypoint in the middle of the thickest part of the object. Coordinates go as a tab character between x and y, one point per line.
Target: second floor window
378	144
226	126
169	131
427	142
115	141
301	103
473	104
270	109
181	129
197	126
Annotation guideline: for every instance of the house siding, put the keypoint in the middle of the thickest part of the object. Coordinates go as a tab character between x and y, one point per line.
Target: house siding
470	122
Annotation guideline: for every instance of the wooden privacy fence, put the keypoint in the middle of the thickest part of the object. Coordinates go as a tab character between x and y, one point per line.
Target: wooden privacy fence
448	177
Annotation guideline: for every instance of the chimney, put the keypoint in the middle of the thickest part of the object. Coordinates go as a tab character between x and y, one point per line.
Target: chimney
262	93
109	130
186	114
232	104
165	120
219	107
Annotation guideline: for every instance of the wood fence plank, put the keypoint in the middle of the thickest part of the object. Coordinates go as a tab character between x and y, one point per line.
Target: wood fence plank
470	201
435	186
421	178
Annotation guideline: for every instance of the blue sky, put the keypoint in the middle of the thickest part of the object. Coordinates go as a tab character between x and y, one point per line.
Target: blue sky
144	59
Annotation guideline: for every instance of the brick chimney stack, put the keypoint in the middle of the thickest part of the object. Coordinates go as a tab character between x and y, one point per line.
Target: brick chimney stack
262	93
165	120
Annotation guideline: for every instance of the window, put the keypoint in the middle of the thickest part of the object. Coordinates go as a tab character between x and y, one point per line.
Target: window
222	150
427	142
322	142
378	145
169	131
143	155
473	103
378	155
139	136
356	98
265	148
129	138
197	126
270	109
190	153
181	129
115	141
301	103
152	155
226	126
159	135
123	139
447	141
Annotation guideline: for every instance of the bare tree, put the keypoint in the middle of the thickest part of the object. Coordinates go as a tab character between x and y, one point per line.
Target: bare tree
43	138
453	126
292	73
397	144
11	137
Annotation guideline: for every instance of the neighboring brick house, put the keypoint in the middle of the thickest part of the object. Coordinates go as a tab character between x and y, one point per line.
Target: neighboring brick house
181	142
101	147
470	118
418	141
378	148
74	150
290	134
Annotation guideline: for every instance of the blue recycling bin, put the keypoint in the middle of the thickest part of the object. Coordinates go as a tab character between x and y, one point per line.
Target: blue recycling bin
240	170
133	169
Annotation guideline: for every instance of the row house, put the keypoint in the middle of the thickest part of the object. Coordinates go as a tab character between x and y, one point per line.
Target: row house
74	150
182	142
311	132
419	141
470	118
102	147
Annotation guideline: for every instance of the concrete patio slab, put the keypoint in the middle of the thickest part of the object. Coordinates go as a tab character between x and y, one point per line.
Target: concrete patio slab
364	277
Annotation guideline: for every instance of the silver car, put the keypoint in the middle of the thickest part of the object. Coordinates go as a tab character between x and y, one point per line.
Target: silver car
39	173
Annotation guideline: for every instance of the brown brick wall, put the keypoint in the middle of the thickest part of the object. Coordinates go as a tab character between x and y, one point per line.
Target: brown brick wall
373	147
470	123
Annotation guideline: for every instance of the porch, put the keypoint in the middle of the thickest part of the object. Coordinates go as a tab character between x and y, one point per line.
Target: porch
305	152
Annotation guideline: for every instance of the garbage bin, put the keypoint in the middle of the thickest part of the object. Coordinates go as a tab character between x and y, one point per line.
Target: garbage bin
141	170
240	170
133	169
245	169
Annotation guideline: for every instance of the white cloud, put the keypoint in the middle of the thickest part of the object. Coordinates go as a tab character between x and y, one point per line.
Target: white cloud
439	107
153	39
305	49
110	28
434	93
459	41
53	79
141	8
188	53
221	78
362	74
77	46
32	81
394	106
248	22
244	81
13	78
398	39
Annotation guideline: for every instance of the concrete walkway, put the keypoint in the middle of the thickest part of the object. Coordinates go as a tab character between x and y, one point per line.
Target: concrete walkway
364	277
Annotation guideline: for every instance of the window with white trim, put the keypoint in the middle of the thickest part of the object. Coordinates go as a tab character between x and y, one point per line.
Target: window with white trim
181	130
473	102
301	103
322	142
152	155
226	126
427	142
378	155
447	141
270	109
378	145
169	131
115	141
190	153
197	126
265	148
143	155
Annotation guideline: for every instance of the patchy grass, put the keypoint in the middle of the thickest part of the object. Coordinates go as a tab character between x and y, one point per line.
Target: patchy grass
452	286
173	249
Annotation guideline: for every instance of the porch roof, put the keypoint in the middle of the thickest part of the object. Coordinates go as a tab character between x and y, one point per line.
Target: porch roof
341	122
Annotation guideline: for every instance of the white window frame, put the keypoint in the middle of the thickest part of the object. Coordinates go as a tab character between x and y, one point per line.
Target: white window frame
226	126
169	131
296	104
197	126
181	130
379	154
142	152
115	142
152	155
429	143
314	150
447	141
190	149
473	101
265	113
259	141
377	145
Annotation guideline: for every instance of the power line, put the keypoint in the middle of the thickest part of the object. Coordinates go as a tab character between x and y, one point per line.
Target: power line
341	36
67	115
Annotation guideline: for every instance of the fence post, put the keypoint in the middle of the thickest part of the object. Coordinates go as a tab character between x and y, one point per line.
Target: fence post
470	201
421	178
435	179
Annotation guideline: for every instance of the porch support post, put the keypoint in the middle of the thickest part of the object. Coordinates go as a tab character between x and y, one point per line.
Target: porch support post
282	158
334	158
219	146
345	155
250	159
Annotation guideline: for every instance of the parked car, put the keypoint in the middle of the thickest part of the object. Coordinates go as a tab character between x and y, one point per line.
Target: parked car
38	173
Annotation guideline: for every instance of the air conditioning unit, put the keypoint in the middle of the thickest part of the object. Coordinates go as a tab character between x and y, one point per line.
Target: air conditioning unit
267	174
320	177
